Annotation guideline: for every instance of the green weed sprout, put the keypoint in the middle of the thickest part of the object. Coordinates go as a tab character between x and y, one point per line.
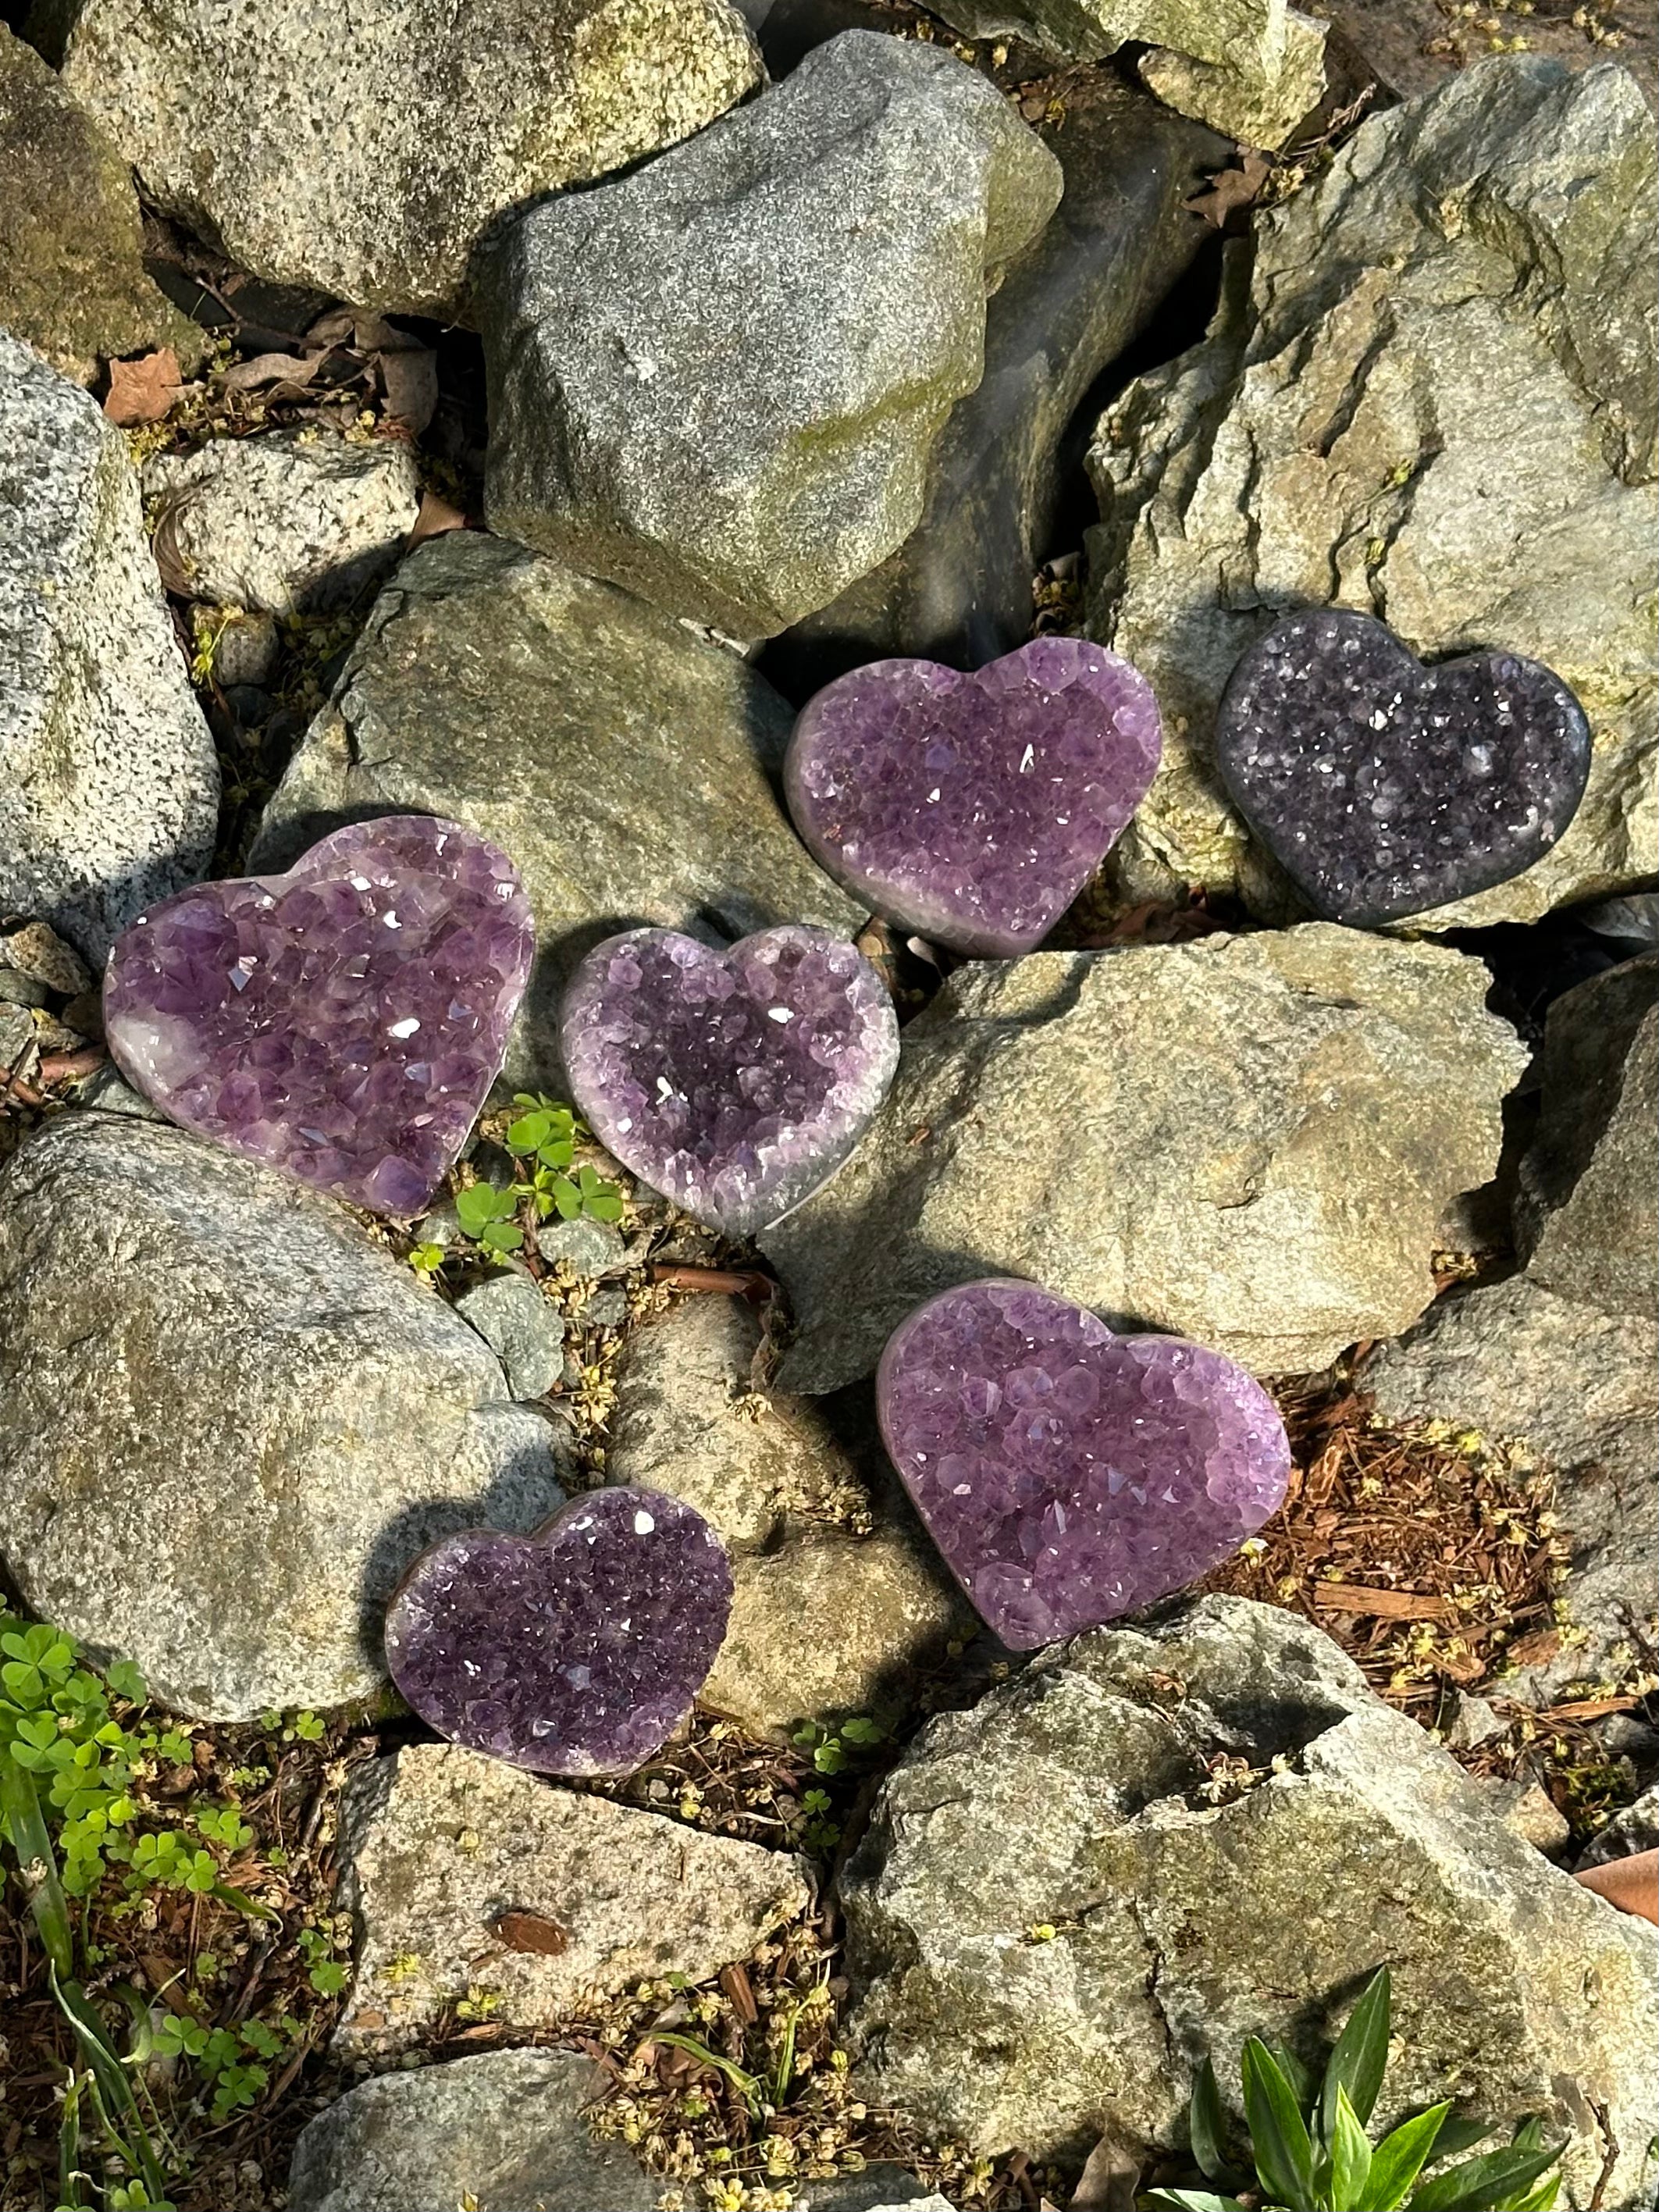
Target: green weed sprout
1310	2152
543	1142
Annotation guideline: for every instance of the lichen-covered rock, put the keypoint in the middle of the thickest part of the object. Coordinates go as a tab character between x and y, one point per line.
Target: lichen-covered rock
1082	1797
1432	400
504	2129
441	1845
1564	1357
803	1495
628	767
286	523
525	1330
230	1420
367	166
959	588
1259	106
72	280
1237	33
1247	1140
719	380
109	785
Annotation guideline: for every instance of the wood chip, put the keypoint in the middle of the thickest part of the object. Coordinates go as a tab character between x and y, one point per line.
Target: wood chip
1385	1604
531	1931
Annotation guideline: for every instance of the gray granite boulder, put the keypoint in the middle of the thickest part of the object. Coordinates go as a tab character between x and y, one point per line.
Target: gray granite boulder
1433	399
1259	105
959	588
109	785
229	1419
718	382
367	167
439	1844
1563	1358
821	1538
1245	1139
72	280
504	2129
1065	1899
629	767
288	522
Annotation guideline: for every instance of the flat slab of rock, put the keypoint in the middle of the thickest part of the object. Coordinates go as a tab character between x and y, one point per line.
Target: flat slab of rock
628	767
1444	352
811	1515
1246	1140
367	167
1082	1798
438	1844
236	1536
72	280
959	588
1564	1357
288	522
719	380
504	2129
109	785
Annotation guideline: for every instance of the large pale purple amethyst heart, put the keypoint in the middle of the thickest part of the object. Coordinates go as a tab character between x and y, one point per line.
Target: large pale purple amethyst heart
975	808
577	1650
733	1082
342	1022
1069	1474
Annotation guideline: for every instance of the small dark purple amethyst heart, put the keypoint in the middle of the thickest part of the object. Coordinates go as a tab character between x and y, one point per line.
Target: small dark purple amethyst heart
1384	788
975	808
342	1022
577	1650
733	1082
1066	1473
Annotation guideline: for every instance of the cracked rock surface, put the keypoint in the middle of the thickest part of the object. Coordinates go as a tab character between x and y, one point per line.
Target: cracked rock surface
1247	1140
1085	1798
1433	399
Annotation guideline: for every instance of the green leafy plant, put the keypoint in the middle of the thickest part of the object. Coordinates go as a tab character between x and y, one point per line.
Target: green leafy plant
543	1140
834	1749
1308	2146
489	1217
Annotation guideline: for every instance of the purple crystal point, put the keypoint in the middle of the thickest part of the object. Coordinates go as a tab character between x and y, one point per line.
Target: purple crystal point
733	1082
975	808
1384	788
343	1022
577	1650
1066	1473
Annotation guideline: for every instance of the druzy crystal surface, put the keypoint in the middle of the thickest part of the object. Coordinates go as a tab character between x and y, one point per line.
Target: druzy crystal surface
734	1082
577	1650
342	1022
1066	1473
974	808
1384	788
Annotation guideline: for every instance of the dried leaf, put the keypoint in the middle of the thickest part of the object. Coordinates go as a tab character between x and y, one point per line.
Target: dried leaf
1233	190
531	1931
333	329
436	516
410	376
142	391
271	369
1108	2181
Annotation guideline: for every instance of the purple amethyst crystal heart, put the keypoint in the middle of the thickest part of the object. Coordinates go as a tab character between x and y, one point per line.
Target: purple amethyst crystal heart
975	808
733	1082
343	1022
577	1650
1066	1473
1385	789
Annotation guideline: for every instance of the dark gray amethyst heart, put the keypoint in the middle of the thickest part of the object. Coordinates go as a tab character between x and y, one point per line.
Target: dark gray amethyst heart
1384	788
1069	1474
734	1082
577	1650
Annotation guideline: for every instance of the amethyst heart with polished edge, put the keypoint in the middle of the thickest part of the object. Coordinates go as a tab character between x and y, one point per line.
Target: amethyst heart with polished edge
1384	788
1066	1473
577	1650
342	1022
975	808
734	1082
